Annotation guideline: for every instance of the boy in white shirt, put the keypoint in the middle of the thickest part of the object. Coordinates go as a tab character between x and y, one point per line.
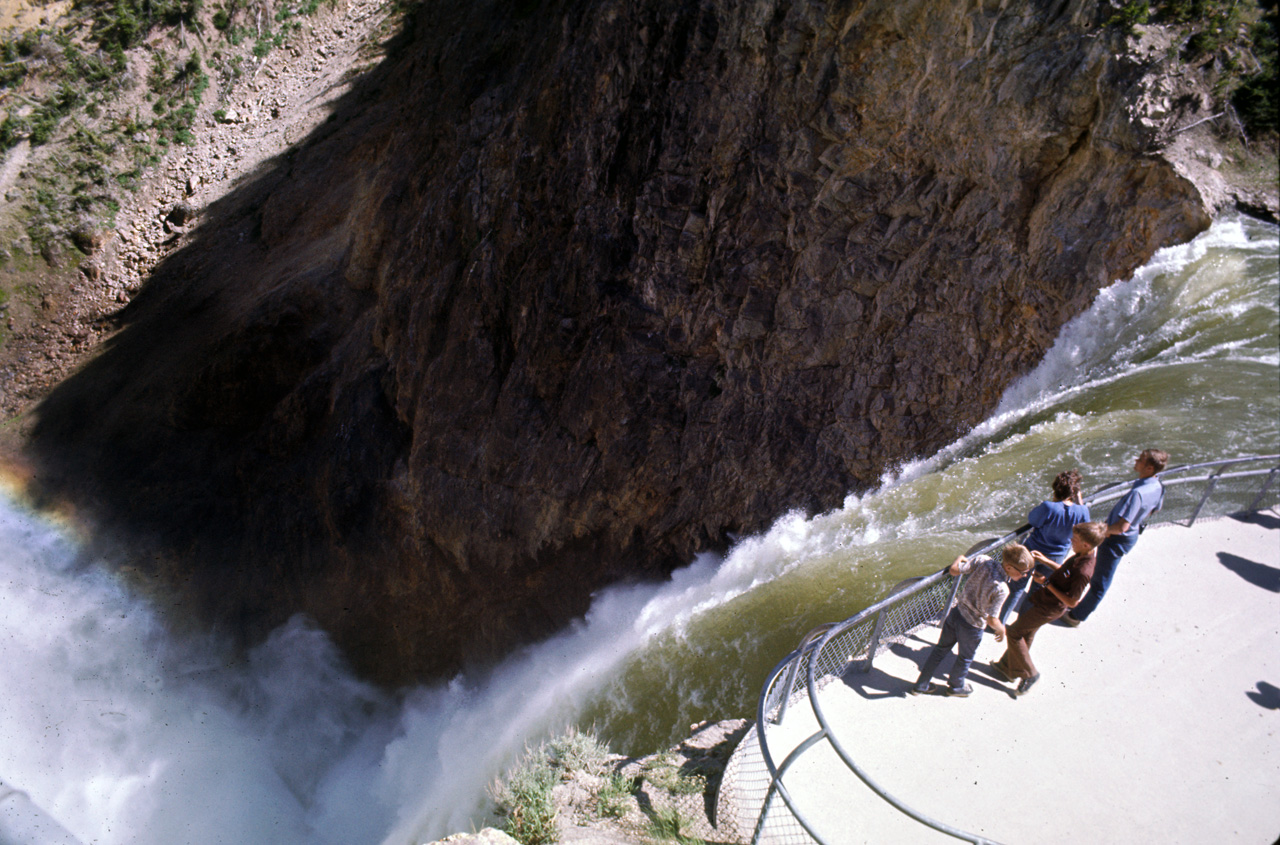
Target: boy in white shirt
977	606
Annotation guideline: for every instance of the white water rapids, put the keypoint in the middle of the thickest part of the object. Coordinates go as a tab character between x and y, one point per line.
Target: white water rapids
128	734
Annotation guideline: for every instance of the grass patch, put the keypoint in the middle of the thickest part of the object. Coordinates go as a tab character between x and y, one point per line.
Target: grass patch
669	825
614	798
524	800
577	751
523	797
664	774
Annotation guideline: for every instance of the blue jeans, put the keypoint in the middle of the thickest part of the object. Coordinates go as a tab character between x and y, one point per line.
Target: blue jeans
1109	553
955	629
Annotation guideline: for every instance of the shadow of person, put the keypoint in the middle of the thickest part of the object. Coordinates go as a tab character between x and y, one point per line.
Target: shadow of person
1267	696
874	684
880	684
1266	520
1259	574
997	679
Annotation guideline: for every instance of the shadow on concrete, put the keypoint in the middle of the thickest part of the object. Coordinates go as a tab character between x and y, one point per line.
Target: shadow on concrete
880	684
1267	696
1266	520
997	680
1259	574
875	684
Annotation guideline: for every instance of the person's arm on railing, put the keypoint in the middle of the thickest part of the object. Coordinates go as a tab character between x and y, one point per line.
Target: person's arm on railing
960	566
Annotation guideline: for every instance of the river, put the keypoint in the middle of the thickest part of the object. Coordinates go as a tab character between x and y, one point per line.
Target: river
128	734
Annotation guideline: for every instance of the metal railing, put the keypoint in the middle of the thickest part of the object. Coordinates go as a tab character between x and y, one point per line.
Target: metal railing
837	650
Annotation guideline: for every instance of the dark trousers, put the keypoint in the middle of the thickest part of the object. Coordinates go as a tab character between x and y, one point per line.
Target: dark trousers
1020	635
1109	553
955	629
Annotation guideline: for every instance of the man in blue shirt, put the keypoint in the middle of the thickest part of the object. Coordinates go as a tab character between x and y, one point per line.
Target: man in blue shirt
1127	517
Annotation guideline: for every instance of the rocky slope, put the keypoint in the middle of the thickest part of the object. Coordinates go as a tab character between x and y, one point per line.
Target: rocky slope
563	293
56	307
594	797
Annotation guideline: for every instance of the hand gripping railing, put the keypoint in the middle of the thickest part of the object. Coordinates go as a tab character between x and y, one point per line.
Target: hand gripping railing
835	650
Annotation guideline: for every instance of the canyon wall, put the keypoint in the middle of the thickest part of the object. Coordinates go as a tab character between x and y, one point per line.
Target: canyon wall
566	292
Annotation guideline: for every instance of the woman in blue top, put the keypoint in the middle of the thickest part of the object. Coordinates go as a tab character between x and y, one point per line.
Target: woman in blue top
1051	523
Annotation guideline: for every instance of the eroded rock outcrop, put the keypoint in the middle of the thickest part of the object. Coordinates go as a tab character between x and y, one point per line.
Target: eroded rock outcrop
567	292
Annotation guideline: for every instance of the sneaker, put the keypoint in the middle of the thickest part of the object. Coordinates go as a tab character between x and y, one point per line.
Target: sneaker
962	692
1070	621
919	689
1002	671
1026	684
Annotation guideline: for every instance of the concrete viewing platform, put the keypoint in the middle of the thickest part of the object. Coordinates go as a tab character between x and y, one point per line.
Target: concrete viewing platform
1157	720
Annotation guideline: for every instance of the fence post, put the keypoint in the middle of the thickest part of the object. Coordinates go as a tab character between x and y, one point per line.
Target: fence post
786	690
864	666
951	602
804	649
1208	491
1266	487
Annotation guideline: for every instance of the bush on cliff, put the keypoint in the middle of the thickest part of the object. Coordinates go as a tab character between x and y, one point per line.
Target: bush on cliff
1256	98
1239	36
524	798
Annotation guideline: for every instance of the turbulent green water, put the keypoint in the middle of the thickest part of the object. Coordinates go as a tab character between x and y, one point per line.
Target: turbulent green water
161	741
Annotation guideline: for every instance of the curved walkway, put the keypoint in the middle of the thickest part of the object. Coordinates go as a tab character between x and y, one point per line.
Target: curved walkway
1156	720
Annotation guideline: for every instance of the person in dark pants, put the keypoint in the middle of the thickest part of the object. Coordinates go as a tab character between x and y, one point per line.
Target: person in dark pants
976	608
1051	524
1125	522
1064	588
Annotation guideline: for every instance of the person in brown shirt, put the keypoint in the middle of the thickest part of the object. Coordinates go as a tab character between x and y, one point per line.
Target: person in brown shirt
1063	590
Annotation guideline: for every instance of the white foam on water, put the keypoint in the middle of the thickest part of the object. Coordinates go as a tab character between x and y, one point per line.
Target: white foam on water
1129	323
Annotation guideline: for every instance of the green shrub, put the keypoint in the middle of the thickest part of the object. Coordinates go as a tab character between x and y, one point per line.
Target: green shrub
12	130
1255	99
124	23
12	73
663	774
264	45
613	799
577	751
45	119
91	67
523	799
1132	14
668	825
158	76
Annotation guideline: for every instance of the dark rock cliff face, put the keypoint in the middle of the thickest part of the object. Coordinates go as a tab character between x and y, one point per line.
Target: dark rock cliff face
566	291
